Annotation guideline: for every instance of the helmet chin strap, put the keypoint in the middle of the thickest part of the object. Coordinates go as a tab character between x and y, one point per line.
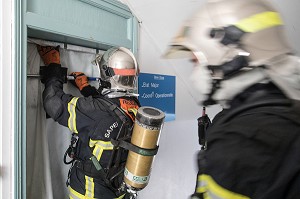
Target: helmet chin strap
103	85
231	67
228	69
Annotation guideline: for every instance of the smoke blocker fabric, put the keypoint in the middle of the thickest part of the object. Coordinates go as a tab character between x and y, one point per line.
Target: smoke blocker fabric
46	140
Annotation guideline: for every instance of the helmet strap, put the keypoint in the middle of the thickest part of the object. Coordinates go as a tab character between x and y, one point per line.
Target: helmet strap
230	34
232	67
229	69
103	85
109	72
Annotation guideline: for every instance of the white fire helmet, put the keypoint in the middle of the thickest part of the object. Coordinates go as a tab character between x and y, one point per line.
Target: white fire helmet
119	67
227	36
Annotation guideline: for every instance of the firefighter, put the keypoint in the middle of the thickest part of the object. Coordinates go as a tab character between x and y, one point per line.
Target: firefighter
245	63
104	114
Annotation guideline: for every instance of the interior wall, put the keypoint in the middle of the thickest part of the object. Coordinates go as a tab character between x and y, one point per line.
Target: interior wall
174	170
7	110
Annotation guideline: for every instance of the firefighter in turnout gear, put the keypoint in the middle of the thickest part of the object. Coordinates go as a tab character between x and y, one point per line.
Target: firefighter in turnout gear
244	63
101	116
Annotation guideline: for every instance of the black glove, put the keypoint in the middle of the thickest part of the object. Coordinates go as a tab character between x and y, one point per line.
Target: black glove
53	71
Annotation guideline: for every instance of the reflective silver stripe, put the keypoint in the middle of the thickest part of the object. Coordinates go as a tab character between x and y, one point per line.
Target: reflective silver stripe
100	146
211	190
89	187
97	152
74	194
72	113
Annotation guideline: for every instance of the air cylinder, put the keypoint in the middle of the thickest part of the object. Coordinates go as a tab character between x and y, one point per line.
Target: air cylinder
145	135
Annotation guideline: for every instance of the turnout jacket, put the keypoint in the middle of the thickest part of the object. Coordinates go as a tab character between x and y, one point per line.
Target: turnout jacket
253	148
94	121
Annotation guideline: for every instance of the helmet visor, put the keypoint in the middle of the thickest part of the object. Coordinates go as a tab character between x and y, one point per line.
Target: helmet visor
126	82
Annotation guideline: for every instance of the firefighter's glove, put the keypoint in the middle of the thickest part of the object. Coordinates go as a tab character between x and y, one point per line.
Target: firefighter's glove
80	80
53	71
49	54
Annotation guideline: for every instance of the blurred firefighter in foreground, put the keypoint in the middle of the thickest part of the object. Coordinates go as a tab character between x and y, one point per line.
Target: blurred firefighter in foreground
245	63
102	116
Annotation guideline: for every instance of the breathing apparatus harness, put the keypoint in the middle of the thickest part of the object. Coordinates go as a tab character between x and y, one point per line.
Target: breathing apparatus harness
95	169
115	169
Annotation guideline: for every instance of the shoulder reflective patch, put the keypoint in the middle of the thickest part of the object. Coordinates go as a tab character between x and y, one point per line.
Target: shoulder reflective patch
72	114
211	190
259	22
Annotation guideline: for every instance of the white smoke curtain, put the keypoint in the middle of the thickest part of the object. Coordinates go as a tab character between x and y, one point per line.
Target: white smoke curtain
47	141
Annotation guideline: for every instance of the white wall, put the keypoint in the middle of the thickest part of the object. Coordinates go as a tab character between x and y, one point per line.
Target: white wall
290	14
6	101
174	170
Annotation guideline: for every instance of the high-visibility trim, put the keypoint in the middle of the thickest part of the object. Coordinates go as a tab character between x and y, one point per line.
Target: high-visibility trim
72	113
100	146
89	187
75	195
212	190
122	196
124	72
259	22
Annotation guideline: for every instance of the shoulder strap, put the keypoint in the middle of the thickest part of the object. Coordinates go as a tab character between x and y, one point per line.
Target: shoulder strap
116	110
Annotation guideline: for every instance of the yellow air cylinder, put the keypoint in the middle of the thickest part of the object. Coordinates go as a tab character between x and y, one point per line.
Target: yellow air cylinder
145	135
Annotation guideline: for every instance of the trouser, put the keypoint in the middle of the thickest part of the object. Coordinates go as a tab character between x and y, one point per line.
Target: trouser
75	195
83	186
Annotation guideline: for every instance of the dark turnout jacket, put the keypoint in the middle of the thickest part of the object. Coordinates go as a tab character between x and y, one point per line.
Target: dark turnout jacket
95	121
253	148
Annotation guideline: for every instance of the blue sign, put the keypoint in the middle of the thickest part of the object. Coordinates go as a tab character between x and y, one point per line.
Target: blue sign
158	91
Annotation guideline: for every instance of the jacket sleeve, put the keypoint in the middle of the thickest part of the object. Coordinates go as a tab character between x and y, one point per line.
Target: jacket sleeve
55	101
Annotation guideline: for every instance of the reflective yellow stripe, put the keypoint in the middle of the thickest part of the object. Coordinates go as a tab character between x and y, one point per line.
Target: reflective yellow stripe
100	146
212	190
75	195
72	113
97	152
259	22
89	187
120	197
